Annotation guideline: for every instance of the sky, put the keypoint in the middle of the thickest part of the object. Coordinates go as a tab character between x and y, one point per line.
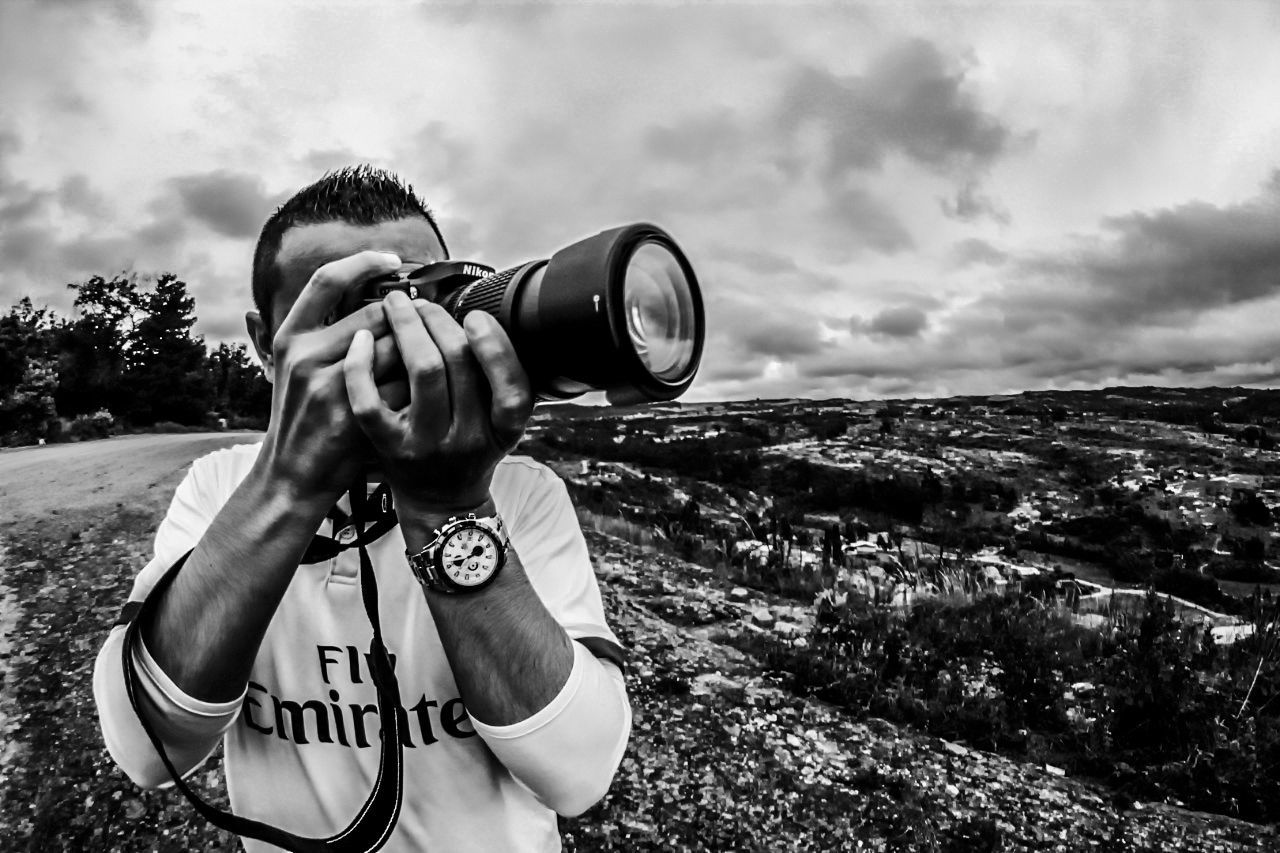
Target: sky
879	199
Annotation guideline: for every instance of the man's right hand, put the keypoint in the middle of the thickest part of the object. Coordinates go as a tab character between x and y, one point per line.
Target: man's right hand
206	631
314	446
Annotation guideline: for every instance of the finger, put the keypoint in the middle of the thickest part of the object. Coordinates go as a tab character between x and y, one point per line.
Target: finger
423	362
511	395
329	345
387	364
465	383
332	342
377	421
325	289
395	393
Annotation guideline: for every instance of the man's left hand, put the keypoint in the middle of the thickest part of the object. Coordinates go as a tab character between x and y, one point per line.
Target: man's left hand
469	402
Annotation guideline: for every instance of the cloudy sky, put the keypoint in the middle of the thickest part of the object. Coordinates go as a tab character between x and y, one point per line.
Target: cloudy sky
880	199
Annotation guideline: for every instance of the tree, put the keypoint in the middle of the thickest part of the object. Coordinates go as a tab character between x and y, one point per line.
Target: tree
28	376
26	333
1250	509
28	413
92	347
238	386
164	366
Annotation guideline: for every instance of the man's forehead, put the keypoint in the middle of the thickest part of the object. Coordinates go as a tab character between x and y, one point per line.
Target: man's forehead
306	248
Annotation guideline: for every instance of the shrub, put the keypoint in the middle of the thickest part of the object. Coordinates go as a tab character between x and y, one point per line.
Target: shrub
1149	703
171	427
100	424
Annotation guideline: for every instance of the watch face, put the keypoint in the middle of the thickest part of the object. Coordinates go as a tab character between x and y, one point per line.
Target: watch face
469	557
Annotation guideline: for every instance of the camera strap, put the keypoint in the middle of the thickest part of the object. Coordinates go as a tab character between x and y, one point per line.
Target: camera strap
372	825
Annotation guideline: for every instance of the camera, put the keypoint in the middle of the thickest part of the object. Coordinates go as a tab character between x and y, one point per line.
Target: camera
619	312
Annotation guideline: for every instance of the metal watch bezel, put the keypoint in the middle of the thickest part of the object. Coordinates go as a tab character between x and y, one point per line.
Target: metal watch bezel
428	564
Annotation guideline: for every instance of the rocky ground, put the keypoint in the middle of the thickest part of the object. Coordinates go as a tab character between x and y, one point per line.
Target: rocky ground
723	756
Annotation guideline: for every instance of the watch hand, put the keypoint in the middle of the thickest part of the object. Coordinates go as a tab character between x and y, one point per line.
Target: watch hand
476	552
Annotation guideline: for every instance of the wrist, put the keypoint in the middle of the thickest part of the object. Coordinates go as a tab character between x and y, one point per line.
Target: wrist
420	519
277	488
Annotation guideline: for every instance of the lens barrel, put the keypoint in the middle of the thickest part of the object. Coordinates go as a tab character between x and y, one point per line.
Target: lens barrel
619	312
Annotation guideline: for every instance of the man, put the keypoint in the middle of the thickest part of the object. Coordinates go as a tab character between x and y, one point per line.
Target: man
513	702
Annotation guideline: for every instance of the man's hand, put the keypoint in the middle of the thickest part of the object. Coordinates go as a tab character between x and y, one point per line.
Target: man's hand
314	444
469	401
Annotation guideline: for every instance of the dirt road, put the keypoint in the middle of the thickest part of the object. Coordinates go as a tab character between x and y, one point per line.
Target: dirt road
64	479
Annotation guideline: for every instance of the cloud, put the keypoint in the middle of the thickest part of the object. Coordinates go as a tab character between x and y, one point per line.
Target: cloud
697	140
911	101
862	221
971	205
757	325
133	13
77	195
231	204
1183	295
1159	267
975	251
50	236
903	321
20	202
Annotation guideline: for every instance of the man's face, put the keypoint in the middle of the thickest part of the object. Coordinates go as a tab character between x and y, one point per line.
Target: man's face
306	248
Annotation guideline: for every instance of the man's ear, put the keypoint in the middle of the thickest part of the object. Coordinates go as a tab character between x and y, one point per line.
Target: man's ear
261	335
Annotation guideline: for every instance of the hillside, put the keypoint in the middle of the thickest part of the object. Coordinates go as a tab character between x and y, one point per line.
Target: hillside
723	755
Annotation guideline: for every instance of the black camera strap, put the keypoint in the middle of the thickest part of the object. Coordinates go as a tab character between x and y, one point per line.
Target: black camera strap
372	825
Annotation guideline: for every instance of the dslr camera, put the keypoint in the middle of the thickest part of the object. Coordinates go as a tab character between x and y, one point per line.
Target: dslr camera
619	312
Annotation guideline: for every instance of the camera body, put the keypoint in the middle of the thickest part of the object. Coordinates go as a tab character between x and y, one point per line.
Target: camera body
415	279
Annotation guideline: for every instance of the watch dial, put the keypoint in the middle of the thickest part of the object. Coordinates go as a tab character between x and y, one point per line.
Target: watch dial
470	556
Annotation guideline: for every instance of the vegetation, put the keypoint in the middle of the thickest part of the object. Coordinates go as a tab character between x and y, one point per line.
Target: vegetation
1152	705
126	359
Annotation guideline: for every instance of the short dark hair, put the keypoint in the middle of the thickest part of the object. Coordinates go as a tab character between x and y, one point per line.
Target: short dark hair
359	195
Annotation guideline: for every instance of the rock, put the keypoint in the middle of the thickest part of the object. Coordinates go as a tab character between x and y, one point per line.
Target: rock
1054	771
952	790
637	827
786	630
739	593
762	617
954	748
714	682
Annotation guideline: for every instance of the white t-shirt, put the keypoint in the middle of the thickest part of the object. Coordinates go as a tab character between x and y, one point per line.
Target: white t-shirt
302	747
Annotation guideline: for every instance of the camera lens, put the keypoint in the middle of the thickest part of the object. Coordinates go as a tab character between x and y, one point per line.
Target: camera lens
619	312
659	311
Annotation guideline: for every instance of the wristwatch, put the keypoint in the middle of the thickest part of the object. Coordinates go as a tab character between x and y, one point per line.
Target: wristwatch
466	555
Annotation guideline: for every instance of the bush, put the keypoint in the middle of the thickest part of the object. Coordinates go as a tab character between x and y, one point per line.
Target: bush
1150	703
1243	571
171	427
1194	587
247	422
100	424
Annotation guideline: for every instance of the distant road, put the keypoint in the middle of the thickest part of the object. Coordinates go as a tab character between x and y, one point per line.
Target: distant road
59	479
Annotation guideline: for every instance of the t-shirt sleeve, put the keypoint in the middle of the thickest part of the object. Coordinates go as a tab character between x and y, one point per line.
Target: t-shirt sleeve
190	729
548	539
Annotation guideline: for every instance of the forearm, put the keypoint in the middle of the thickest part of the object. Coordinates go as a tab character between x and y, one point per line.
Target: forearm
568	753
508	654
205	631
